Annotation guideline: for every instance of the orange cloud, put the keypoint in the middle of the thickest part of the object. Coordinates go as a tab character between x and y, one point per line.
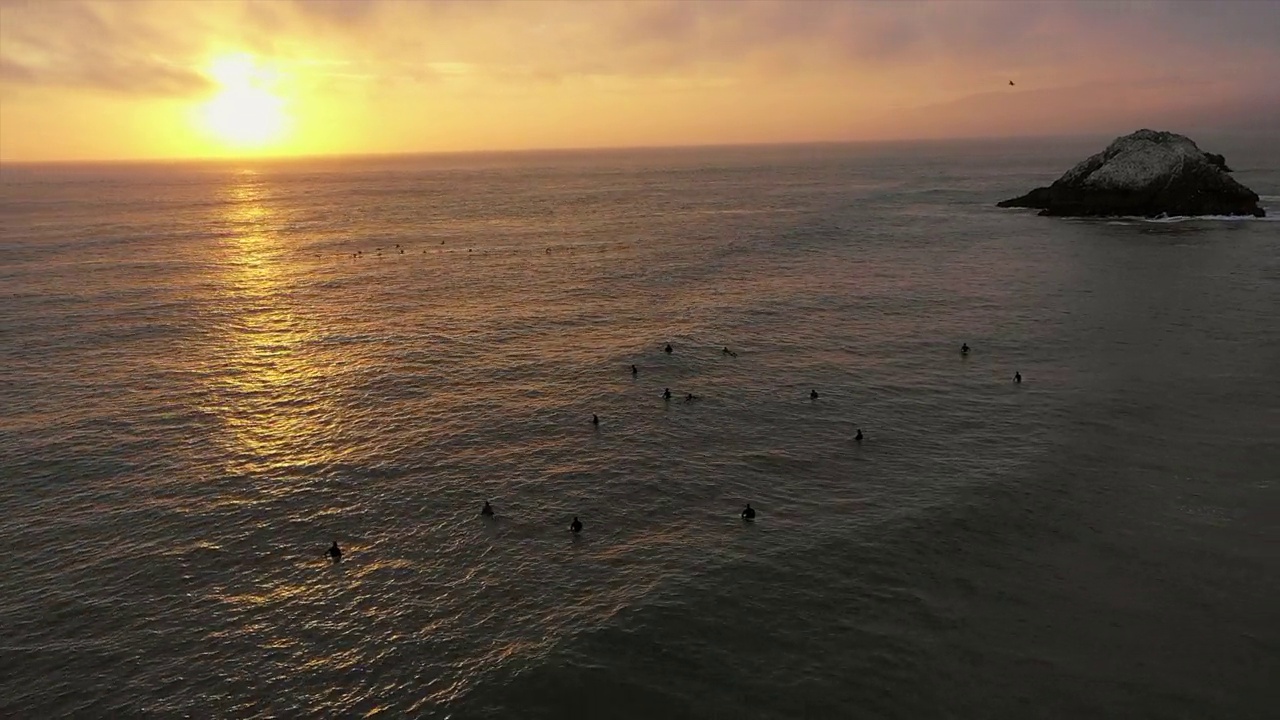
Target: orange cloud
411	76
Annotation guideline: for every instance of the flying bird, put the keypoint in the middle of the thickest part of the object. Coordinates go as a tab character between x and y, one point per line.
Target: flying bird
1011	82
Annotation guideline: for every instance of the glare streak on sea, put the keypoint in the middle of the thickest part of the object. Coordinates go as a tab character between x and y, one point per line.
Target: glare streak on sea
210	372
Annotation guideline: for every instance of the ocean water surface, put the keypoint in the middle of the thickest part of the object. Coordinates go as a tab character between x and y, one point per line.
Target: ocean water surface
212	371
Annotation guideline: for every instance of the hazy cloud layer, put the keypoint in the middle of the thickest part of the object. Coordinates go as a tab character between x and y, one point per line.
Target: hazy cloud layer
673	71
150	47
68	44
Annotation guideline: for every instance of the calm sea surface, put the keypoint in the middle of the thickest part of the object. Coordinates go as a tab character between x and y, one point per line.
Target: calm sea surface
210	372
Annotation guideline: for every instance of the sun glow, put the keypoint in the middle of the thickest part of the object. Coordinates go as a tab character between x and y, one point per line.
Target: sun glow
246	113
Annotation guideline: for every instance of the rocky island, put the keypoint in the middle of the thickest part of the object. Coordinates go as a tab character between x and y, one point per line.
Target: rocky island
1145	174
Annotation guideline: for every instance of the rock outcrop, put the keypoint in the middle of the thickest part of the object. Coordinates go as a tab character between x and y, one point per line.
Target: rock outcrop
1145	174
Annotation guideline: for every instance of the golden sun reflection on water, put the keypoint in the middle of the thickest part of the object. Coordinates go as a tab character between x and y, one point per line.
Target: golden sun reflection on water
267	381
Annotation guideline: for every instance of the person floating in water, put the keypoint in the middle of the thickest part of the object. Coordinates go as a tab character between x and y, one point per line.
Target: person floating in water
813	394
729	352
964	349
690	397
487	509
576	525
595	419
634	371
334	552
1017	377
858	437
749	513
668	349
666	394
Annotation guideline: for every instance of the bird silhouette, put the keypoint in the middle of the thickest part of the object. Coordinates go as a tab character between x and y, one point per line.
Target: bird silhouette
1010	82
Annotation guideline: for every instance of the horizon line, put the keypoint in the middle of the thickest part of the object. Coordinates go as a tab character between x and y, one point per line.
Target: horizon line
213	160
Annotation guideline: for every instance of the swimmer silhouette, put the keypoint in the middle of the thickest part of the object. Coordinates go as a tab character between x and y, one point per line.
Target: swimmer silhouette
1017	377
487	509
813	394
595	419
858	437
668	349
666	394
690	397
634	371
729	352
749	513
964	349
576	525
333	552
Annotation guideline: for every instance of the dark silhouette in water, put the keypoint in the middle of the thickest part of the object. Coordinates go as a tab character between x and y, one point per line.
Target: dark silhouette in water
858	437
749	513
634	371
576	525
595	419
487	509
334	552
1017	377
729	352
813	394
668	349
666	394
964	349
690	397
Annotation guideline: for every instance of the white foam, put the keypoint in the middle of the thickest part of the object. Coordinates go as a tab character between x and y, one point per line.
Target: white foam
1205	218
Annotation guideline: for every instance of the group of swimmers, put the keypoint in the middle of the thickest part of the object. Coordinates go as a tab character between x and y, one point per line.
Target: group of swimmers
748	513
335	553
1017	376
487	511
690	397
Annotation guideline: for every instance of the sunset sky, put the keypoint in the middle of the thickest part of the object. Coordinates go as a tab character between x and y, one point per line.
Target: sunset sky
136	79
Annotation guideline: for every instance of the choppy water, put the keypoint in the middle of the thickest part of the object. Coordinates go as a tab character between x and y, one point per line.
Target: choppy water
201	388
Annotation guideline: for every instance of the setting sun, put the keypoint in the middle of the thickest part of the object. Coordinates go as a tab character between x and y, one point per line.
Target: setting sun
245	113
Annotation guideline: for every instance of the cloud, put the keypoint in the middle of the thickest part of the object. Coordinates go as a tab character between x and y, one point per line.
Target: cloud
77	45
143	46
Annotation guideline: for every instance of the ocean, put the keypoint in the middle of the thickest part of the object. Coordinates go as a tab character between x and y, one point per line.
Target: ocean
212	371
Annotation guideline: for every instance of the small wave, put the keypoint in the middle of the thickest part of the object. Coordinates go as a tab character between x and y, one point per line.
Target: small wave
1203	218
